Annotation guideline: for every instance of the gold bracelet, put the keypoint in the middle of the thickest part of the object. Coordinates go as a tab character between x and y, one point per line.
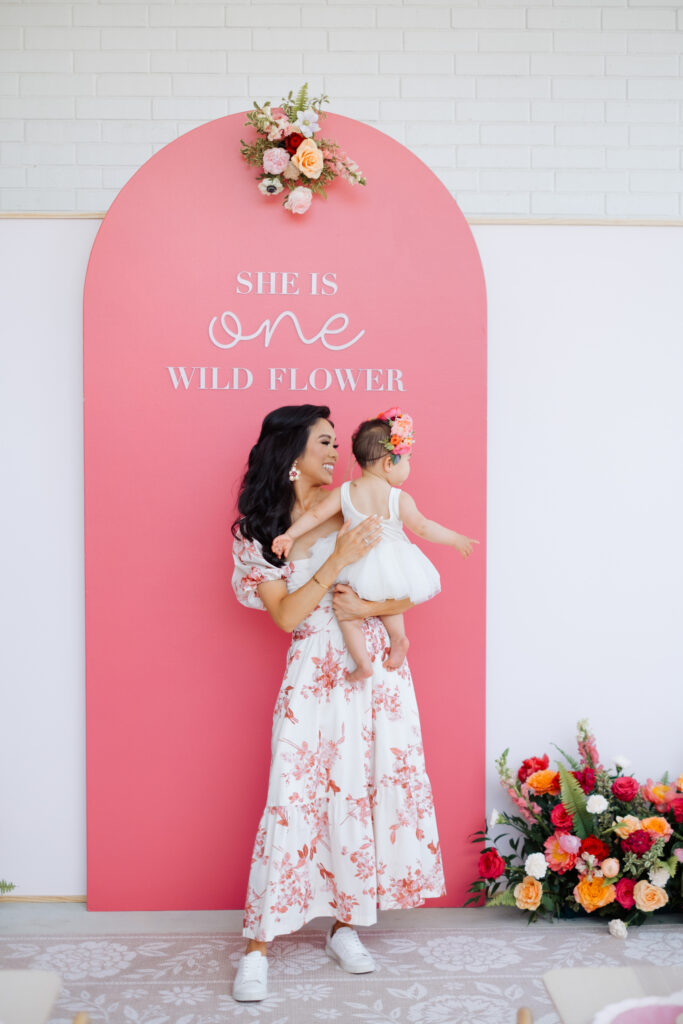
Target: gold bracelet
314	577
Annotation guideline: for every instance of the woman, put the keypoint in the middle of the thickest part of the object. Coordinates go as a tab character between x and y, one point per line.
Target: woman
349	820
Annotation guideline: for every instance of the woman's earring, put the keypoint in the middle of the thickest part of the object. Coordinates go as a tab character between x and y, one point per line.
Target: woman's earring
294	472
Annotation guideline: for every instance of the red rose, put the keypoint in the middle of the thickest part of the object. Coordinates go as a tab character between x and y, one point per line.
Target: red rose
293	141
676	808
561	818
491	865
625	788
595	846
531	765
639	842
624	894
585	778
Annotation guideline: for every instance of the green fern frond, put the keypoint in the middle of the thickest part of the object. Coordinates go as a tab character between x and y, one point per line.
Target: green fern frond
5	886
570	760
574	800
502	899
301	101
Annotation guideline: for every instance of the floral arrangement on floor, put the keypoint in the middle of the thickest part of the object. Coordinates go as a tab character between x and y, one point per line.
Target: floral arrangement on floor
289	157
585	840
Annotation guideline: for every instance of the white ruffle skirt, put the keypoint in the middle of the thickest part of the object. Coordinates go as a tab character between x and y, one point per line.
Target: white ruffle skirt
394	569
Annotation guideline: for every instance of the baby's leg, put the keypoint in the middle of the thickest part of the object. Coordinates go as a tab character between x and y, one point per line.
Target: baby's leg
354	638
395	627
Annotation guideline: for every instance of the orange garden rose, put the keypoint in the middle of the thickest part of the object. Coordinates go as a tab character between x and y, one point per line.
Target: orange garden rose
657	826
308	159
545	781
649	897
610	867
594	893
528	893
626	825
679	783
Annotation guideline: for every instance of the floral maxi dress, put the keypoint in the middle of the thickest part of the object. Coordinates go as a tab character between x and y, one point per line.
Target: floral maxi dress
349	821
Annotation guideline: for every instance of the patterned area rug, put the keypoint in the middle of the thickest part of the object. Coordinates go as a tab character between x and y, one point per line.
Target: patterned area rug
474	975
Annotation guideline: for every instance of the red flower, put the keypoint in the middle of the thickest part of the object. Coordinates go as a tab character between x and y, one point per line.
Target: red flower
561	818
293	141
676	808
531	765
639	842
585	778
595	846
491	865
624	894
625	788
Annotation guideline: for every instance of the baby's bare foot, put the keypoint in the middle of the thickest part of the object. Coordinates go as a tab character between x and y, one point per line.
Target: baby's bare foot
359	673
397	654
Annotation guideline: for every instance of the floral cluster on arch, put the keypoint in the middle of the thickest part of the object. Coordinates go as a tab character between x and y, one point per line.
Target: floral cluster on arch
585	839
290	159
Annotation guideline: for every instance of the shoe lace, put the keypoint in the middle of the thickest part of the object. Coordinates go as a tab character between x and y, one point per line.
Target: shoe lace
350	938
251	967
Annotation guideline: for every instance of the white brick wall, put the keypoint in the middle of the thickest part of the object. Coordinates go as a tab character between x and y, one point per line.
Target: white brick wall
566	108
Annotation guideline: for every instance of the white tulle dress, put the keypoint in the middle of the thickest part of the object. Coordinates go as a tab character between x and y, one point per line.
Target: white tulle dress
394	568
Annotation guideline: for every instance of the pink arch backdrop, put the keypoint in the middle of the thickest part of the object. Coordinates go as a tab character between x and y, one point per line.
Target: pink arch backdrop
207	305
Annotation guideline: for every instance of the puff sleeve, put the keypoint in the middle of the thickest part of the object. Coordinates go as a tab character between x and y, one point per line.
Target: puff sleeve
251	568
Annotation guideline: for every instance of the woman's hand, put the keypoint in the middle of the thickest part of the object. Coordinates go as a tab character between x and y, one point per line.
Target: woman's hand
282	545
355	542
347	604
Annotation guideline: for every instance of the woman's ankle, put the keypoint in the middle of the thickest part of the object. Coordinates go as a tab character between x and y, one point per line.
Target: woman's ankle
253	946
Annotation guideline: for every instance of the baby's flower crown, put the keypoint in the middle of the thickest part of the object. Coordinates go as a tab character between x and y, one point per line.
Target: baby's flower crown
402	435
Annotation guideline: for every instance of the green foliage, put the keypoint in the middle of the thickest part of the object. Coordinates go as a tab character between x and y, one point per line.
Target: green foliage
502	899
574	800
6	887
570	760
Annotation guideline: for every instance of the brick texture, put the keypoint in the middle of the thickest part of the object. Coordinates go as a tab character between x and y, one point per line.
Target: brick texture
565	108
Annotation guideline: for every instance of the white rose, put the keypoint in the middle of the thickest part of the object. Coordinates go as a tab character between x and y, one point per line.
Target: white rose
659	876
596	804
618	928
535	865
621	761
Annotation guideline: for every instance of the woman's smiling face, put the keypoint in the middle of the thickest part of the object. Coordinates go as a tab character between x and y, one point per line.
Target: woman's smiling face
320	455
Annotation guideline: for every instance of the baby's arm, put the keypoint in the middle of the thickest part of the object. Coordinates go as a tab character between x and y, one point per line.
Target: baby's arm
435	532
324	510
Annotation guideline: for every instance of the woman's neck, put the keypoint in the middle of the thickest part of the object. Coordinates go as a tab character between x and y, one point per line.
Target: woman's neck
306	495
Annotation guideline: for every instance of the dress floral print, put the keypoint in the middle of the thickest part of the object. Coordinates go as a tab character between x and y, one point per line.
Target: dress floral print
349	821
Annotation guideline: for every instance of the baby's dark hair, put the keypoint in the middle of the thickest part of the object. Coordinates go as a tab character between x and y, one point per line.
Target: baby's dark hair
368	442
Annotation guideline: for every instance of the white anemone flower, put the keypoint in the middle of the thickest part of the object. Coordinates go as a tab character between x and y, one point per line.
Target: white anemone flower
618	929
536	865
596	804
307	122
270	186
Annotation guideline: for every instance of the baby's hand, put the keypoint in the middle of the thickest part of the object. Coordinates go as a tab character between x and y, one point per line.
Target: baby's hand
282	545
464	545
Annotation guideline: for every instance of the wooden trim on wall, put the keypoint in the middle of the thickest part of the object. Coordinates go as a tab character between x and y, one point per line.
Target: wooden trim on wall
504	221
9	898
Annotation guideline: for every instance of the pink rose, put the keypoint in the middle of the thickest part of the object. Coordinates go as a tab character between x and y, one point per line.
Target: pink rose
559	816
610	867
678	854
299	199
624	892
625	788
275	160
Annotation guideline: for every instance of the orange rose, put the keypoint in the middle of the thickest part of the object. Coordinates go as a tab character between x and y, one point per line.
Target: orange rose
545	781
528	893
308	159
594	893
658	826
679	783
649	897
628	824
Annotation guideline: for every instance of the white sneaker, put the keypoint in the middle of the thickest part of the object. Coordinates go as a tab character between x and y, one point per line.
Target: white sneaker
346	948
251	980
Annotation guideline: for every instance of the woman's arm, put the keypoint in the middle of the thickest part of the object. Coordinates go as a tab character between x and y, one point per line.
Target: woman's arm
431	531
348	605
288	610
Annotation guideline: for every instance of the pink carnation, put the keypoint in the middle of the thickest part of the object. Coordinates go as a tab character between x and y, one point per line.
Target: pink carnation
275	160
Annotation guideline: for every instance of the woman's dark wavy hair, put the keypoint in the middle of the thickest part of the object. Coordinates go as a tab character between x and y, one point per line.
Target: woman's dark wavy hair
266	495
